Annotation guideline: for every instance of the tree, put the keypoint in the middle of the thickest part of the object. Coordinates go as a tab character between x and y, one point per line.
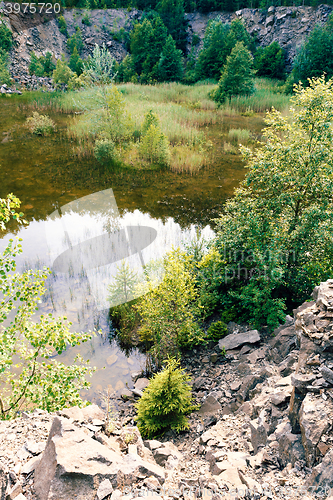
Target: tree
30	377
76	63
147	42
101	66
170	66
75	41
275	236
237	75
123	288
41	66
316	54
62	73
165	402
173	15
270	61
167	311
219	40
4	72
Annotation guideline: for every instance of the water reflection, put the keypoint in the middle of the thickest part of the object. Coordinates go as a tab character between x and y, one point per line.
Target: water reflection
83	243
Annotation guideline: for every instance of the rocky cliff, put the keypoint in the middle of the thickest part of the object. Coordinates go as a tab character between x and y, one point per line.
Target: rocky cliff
287	25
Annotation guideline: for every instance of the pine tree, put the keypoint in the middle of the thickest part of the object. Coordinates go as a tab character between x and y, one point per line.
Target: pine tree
173	15
237	75
75	62
165	402
170	66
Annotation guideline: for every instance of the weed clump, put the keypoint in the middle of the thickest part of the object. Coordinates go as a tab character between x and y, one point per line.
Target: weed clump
40	124
217	330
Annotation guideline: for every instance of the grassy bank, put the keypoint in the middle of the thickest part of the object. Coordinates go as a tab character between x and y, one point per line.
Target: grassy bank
183	112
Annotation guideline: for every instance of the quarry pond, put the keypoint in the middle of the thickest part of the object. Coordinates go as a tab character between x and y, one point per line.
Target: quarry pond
68	201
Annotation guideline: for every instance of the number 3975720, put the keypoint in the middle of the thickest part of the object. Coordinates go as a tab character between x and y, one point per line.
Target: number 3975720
32	8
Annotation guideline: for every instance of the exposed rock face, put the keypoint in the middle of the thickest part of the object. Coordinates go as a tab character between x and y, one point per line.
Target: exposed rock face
289	26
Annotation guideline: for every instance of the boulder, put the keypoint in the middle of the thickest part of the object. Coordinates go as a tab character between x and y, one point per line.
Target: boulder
235	340
74	465
163	454
3	484
258	434
327	374
315	418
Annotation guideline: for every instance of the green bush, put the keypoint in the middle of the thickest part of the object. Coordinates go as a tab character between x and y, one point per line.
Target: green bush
41	66
76	63
154	146
217	330
62	25
165	402
62	73
40	124
167	311
86	19
105	150
6	39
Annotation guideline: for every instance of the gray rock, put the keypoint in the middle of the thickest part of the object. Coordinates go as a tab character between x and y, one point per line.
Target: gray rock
258	434
71	453
235	340
104	489
141	384
209	406
300	381
93	412
152	444
3	484
327	374
162	455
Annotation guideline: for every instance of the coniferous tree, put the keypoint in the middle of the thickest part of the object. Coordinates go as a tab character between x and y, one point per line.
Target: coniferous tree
173	15
170	66
237	75
75	62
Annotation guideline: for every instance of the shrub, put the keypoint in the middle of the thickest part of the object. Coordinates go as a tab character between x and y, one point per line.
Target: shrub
165	402
101	66
105	150
6	39
239	134
40	124
217	330
75	62
62	25
154	147
41	66
86	19
151	118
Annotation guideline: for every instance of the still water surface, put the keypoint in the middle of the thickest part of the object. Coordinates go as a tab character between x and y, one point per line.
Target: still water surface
59	193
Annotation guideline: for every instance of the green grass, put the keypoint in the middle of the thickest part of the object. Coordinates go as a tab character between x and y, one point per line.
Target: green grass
239	135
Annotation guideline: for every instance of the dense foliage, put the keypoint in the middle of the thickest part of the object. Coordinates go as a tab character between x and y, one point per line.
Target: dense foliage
315	57
165	402
275	235
42	65
6	39
30	376
270	61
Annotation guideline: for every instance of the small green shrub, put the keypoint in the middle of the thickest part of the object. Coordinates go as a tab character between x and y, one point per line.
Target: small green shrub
195	39
165	402
239	135
151	118
217	330
62	25
105	150
154	146
86	19
40	124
